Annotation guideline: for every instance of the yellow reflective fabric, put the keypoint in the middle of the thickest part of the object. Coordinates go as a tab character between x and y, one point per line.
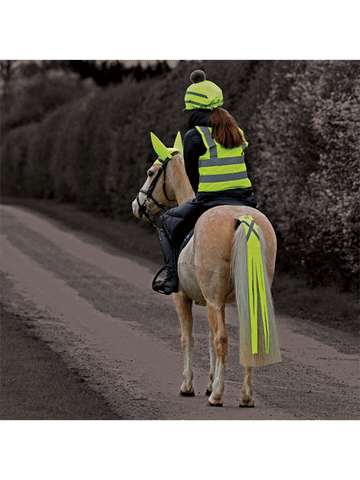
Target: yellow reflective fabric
204	94
256	280
221	168
164	152
178	143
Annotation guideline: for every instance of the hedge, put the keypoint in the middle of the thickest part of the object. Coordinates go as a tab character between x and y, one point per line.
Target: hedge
301	119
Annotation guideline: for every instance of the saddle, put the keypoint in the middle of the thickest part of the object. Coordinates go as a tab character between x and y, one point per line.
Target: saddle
186	240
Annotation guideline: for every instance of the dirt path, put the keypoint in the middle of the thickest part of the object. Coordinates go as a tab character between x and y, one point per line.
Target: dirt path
36	384
97	310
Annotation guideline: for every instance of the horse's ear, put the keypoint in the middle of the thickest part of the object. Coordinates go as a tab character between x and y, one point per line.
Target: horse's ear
159	147
178	143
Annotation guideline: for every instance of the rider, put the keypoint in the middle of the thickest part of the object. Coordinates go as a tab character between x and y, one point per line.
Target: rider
214	162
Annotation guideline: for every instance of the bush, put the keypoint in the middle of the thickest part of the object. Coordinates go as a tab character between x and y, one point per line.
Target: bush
307	176
15	153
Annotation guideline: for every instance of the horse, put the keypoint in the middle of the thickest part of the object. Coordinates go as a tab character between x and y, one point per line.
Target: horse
217	266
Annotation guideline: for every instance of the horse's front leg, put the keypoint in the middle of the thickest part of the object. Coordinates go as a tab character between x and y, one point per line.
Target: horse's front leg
247	389
183	305
216	316
212	363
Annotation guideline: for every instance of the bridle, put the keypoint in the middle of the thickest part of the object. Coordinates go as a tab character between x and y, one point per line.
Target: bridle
143	209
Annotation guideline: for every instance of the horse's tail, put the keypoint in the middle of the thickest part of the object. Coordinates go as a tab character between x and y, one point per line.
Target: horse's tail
259	344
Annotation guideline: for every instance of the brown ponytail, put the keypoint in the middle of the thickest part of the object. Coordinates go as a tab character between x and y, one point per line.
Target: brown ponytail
224	129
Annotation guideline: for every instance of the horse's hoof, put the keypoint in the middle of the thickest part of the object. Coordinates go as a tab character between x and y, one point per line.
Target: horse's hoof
214	404
186	394
247	405
208	393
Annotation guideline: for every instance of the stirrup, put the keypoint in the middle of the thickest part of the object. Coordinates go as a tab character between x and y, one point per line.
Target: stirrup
153	285
156	285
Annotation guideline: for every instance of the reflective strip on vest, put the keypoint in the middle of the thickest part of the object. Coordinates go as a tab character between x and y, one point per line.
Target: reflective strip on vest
221	168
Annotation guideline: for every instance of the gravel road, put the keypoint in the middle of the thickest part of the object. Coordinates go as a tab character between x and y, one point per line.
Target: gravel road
97	310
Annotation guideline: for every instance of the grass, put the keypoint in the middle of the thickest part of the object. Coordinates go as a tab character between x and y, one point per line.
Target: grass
324	305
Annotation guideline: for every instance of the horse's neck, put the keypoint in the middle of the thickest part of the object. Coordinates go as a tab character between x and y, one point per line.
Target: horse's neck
180	181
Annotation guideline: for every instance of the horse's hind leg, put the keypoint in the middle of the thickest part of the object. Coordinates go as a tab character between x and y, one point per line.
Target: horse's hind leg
216	316
183	305
212	362
247	389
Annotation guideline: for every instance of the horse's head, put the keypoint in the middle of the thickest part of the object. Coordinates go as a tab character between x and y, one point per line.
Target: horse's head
157	191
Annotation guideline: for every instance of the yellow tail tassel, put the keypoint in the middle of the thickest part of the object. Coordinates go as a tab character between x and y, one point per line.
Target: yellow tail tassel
256	282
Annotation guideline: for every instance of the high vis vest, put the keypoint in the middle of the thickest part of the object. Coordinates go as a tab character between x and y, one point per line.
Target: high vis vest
221	168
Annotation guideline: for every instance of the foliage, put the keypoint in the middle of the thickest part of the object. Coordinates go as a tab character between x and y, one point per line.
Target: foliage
301	119
307	167
106	72
332	194
34	88
30	100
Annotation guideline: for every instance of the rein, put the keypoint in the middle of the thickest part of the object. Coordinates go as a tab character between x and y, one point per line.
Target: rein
143	209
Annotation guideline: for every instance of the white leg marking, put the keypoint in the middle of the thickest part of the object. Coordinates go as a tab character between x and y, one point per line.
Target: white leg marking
218	386
188	374
212	354
247	389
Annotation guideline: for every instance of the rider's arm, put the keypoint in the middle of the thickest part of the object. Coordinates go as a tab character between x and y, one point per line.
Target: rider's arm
193	148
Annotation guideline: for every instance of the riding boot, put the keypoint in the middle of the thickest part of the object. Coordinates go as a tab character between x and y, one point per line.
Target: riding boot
170	284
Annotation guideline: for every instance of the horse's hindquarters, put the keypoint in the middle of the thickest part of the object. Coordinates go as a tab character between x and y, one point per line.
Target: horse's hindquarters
204	265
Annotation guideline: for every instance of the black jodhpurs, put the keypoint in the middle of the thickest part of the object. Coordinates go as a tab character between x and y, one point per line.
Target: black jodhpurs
179	221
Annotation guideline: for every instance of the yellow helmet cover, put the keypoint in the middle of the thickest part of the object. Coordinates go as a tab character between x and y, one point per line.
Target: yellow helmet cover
202	93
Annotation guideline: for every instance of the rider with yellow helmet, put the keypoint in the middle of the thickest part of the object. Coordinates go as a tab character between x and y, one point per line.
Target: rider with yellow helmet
213	152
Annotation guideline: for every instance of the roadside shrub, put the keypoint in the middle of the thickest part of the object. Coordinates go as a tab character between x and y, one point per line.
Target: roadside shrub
15	152
306	138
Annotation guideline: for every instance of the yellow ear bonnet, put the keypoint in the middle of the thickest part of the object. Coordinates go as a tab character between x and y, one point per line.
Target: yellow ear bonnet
178	143
163	152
